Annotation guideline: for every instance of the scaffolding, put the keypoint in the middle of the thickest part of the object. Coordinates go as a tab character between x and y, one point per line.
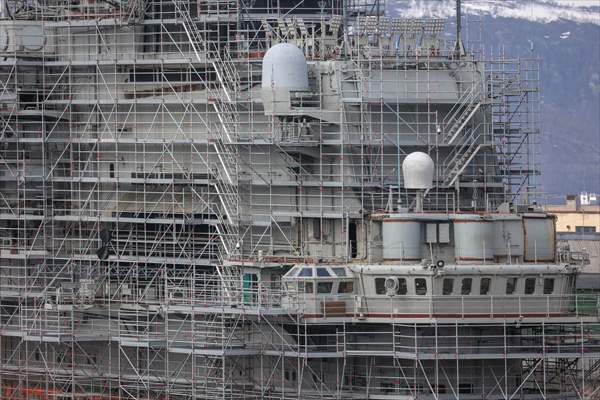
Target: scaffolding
141	183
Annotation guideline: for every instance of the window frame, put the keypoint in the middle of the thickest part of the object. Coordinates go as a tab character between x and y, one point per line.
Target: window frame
320	284
402	287
585	229
514	287
379	290
527	288
488	286
469	286
346	285
301	273
418	290
553	280
445	292
306	287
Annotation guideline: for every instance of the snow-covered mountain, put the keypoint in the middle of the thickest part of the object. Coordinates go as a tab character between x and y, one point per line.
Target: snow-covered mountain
581	11
565	35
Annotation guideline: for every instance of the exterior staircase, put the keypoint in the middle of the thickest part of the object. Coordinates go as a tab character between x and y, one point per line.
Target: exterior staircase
224	140
461	113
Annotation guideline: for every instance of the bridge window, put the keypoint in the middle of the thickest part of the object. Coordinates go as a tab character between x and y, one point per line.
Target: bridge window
346	287
306	272
484	286
322	272
529	285
306	287
380	285
448	286
402	286
511	285
420	286
324	287
341	272
548	285
465	287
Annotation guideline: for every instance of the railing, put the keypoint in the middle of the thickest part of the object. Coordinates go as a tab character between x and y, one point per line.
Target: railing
455	307
356	306
216	296
580	339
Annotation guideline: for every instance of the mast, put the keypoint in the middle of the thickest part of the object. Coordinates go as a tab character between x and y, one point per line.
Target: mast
458	47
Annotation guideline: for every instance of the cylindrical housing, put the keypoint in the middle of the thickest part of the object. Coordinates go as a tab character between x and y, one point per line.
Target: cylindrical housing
508	237
401	239
473	237
540	239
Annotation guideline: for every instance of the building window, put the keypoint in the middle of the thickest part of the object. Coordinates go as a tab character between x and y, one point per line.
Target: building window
529	285
511	285
448	286
585	229
420	286
548	285
484	286
465	288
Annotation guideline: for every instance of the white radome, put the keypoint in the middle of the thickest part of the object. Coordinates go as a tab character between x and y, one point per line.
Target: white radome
417	169
284	67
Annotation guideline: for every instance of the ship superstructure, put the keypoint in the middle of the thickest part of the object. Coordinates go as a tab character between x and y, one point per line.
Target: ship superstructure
205	200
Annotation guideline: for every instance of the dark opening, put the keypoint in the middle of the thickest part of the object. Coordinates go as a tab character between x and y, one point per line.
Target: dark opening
111	167
352	239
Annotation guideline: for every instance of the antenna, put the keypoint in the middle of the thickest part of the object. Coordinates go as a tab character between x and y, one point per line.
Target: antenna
458	21
458	47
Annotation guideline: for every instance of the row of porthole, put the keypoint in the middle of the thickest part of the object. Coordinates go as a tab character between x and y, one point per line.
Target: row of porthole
382	286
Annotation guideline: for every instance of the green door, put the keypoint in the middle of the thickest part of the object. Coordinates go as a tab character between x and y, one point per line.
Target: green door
250	288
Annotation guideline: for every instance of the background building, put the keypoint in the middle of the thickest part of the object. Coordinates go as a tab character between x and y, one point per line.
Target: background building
578	227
